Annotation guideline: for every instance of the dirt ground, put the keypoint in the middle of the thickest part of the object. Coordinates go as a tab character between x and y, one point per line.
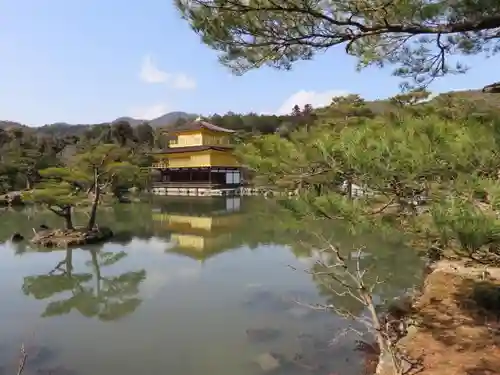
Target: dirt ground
459	323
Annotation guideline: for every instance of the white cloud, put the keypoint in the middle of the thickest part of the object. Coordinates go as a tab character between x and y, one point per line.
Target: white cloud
157	279
154	244
183	82
315	98
431	96
149	112
150	73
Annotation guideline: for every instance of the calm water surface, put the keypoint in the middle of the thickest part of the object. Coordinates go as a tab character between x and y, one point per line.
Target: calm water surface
180	290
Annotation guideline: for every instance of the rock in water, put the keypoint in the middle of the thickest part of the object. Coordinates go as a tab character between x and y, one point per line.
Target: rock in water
39	354
17	237
59	370
262	334
268	362
264	300
299	311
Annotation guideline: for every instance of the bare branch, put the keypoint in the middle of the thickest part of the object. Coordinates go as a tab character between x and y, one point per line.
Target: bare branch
22	361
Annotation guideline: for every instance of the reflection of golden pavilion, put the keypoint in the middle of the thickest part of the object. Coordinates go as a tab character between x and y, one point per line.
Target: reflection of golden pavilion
200	235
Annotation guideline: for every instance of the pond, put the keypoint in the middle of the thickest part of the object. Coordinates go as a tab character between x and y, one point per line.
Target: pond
187	286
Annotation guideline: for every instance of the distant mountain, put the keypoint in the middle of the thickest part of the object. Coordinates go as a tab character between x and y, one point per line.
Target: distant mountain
10	124
132	121
65	129
166	120
170	119
483	100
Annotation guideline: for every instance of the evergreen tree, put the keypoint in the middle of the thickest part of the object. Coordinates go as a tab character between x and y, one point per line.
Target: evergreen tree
417	36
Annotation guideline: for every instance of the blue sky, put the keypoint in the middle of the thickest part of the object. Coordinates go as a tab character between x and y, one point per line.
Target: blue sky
85	61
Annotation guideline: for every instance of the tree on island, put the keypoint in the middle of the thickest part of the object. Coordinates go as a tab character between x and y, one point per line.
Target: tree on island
83	182
100	168
417	36
58	194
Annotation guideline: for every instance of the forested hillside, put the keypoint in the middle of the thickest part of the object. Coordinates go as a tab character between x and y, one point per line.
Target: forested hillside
26	150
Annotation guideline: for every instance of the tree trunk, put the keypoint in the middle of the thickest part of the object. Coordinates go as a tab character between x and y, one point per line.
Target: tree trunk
68	219
388	355
66	214
349	187
97	271
69	262
95	203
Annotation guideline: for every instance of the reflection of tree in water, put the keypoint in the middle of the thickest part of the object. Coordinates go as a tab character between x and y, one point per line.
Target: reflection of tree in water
261	222
391	273
139	221
92	294
383	259
264	223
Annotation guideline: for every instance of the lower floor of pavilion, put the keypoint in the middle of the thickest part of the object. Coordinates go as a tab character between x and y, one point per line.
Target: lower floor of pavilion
202	176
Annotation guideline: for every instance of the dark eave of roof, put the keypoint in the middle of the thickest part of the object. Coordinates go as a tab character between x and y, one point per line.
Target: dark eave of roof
179	150
198	125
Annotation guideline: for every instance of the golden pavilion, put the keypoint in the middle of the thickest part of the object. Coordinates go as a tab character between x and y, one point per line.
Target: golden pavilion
198	161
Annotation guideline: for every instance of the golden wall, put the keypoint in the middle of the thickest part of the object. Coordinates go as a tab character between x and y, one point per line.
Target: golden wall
208	158
199	138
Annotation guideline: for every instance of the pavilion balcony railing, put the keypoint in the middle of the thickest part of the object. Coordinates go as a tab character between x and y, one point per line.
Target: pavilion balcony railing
191	184
159	165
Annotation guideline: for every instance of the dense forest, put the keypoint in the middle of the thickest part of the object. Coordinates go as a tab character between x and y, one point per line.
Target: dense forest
425	168
26	150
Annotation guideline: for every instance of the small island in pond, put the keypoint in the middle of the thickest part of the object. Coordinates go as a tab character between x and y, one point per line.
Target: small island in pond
81	184
69	238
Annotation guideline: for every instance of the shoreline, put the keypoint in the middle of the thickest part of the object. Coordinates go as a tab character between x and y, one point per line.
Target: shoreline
455	322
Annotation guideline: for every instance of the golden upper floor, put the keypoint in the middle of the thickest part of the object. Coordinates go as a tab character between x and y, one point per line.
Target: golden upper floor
197	144
199	133
195	157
